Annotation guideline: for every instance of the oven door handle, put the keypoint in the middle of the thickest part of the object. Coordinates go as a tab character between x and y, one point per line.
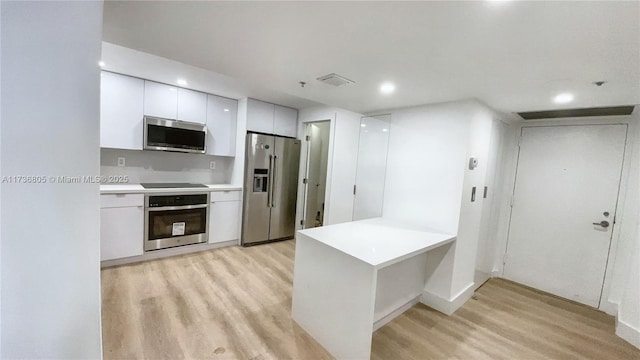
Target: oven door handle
170	208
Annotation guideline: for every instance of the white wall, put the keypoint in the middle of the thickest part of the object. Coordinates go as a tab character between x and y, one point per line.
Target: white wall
428	183
493	206
628	325
50	111
1	174
341	168
425	165
469	225
627	216
163	166
624	287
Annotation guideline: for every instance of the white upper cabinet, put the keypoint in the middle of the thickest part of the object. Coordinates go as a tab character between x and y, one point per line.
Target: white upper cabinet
125	100
260	116
285	121
192	106
121	99
221	125
271	119
160	100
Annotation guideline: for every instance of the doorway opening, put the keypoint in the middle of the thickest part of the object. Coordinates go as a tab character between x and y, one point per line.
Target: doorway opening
315	180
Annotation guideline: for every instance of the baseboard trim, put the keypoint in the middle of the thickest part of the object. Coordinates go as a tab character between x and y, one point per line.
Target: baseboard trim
159	254
609	307
395	313
628	333
445	306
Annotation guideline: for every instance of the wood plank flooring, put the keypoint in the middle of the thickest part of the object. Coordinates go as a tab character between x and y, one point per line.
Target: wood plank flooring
235	303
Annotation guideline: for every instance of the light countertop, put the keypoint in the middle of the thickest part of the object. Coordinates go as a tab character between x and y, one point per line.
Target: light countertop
138	189
379	242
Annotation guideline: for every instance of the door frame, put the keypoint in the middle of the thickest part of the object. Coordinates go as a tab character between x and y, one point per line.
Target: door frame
511	171
305	152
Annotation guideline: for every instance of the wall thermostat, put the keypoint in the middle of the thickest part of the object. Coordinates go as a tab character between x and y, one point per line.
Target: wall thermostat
473	163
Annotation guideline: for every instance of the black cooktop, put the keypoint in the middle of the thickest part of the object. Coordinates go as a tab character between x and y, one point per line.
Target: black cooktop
171	185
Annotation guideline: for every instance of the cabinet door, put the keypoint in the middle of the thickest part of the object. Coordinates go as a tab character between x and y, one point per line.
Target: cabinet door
260	116
192	106
285	121
121	100
221	125
121	232
160	100
224	224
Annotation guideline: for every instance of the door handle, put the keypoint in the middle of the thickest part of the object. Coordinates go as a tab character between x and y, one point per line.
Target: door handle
273	185
603	223
270	180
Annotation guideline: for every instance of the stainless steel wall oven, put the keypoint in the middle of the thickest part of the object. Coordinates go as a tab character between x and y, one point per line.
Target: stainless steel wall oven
175	219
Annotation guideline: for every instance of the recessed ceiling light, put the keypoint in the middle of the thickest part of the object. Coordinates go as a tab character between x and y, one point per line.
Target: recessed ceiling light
363	125
385	130
563	98
226	110
182	82
101	63
387	88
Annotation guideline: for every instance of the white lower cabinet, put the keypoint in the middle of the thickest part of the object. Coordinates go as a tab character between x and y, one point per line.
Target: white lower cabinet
121	225
224	221
122	222
121	232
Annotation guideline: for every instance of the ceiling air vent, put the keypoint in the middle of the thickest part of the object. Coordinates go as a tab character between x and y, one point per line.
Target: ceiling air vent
567	113
335	80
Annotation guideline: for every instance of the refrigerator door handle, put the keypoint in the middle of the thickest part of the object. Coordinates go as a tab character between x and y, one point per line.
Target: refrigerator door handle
270	180
273	189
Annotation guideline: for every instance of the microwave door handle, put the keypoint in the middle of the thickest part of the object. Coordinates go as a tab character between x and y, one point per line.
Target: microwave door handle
270	180
273	185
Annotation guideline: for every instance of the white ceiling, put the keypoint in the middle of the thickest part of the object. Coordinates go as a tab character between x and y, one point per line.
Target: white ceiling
514	56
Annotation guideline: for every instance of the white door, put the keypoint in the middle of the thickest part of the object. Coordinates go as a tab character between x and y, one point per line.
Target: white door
372	166
566	185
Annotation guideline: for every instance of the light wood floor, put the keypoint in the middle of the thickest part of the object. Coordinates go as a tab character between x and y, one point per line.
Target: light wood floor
235	303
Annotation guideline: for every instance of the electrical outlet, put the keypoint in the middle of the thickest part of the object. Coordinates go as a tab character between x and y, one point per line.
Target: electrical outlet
121	161
212	165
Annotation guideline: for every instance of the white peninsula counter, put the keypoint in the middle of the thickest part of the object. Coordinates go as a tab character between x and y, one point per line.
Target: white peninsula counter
352	278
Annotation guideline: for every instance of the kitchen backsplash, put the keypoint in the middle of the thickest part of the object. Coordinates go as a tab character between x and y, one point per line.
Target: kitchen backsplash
161	166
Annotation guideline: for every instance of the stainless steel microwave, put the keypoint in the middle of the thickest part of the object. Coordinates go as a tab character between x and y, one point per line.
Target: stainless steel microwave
174	135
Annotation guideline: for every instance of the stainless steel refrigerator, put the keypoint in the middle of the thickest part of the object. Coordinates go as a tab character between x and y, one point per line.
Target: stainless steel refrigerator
270	188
